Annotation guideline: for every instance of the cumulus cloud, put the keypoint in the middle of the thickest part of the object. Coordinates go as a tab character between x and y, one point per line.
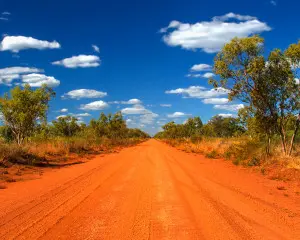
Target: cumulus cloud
208	75
17	43
37	80
61	116
83	61
201	67
96	48
199	92
146	115
177	115
63	110
129	121
225	115
4	18
148	118
129	102
7	75
94	106
198	75
234	16
166	105
81	115
211	36
135	109
231	108
215	100
84	93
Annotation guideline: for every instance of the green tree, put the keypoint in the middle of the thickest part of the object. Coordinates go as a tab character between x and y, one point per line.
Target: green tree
219	126
267	85
66	126
24	109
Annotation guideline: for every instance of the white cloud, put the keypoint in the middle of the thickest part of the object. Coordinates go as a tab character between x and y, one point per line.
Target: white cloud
135	110
199	92
97	105
211	36
234	16
231	108
96	48
3	18
37	80
208	75
84	93
63	110
146	115
215	100
198	75
81	115
148	118
166	105
129	121
225	115
201	67
129	102
297	80
177	115
61	116
1	117
5	13
7	75
83	61
133	101
17	43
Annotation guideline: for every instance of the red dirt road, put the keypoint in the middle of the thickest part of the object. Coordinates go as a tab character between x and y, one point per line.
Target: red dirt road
150	191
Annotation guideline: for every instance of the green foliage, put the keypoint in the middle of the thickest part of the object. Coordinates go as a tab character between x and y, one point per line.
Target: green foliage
266	85
194	129
219	126
24	108
6	133
191	128
65	126
212	154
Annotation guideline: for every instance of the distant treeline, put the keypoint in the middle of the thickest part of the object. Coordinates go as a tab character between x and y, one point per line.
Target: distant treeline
24	117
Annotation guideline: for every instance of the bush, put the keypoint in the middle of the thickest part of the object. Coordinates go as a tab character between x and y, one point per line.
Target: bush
212	154
254	161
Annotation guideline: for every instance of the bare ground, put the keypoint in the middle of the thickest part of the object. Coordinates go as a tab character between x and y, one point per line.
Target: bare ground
150	191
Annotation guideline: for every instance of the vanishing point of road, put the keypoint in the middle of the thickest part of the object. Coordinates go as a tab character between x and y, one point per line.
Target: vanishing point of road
149	191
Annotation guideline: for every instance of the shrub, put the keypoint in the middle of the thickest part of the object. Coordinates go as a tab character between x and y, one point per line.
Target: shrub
212	154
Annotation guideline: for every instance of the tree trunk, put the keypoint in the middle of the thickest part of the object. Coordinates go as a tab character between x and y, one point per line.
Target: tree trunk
269	145
283	142
294	135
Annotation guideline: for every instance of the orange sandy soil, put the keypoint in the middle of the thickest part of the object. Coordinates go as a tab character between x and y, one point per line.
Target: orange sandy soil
150	191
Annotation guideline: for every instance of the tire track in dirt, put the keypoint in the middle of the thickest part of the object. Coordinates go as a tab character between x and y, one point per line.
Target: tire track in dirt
150	191
242	226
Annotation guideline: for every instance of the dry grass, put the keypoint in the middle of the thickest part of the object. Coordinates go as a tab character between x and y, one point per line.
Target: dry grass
241	151
56	150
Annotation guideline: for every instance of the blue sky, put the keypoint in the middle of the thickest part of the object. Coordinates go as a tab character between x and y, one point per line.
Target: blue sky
152	56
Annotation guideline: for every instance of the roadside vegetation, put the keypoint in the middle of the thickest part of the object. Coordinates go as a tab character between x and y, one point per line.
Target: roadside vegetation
26	138
266	131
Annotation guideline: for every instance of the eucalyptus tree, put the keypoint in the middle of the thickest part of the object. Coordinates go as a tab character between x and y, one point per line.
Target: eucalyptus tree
267	85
